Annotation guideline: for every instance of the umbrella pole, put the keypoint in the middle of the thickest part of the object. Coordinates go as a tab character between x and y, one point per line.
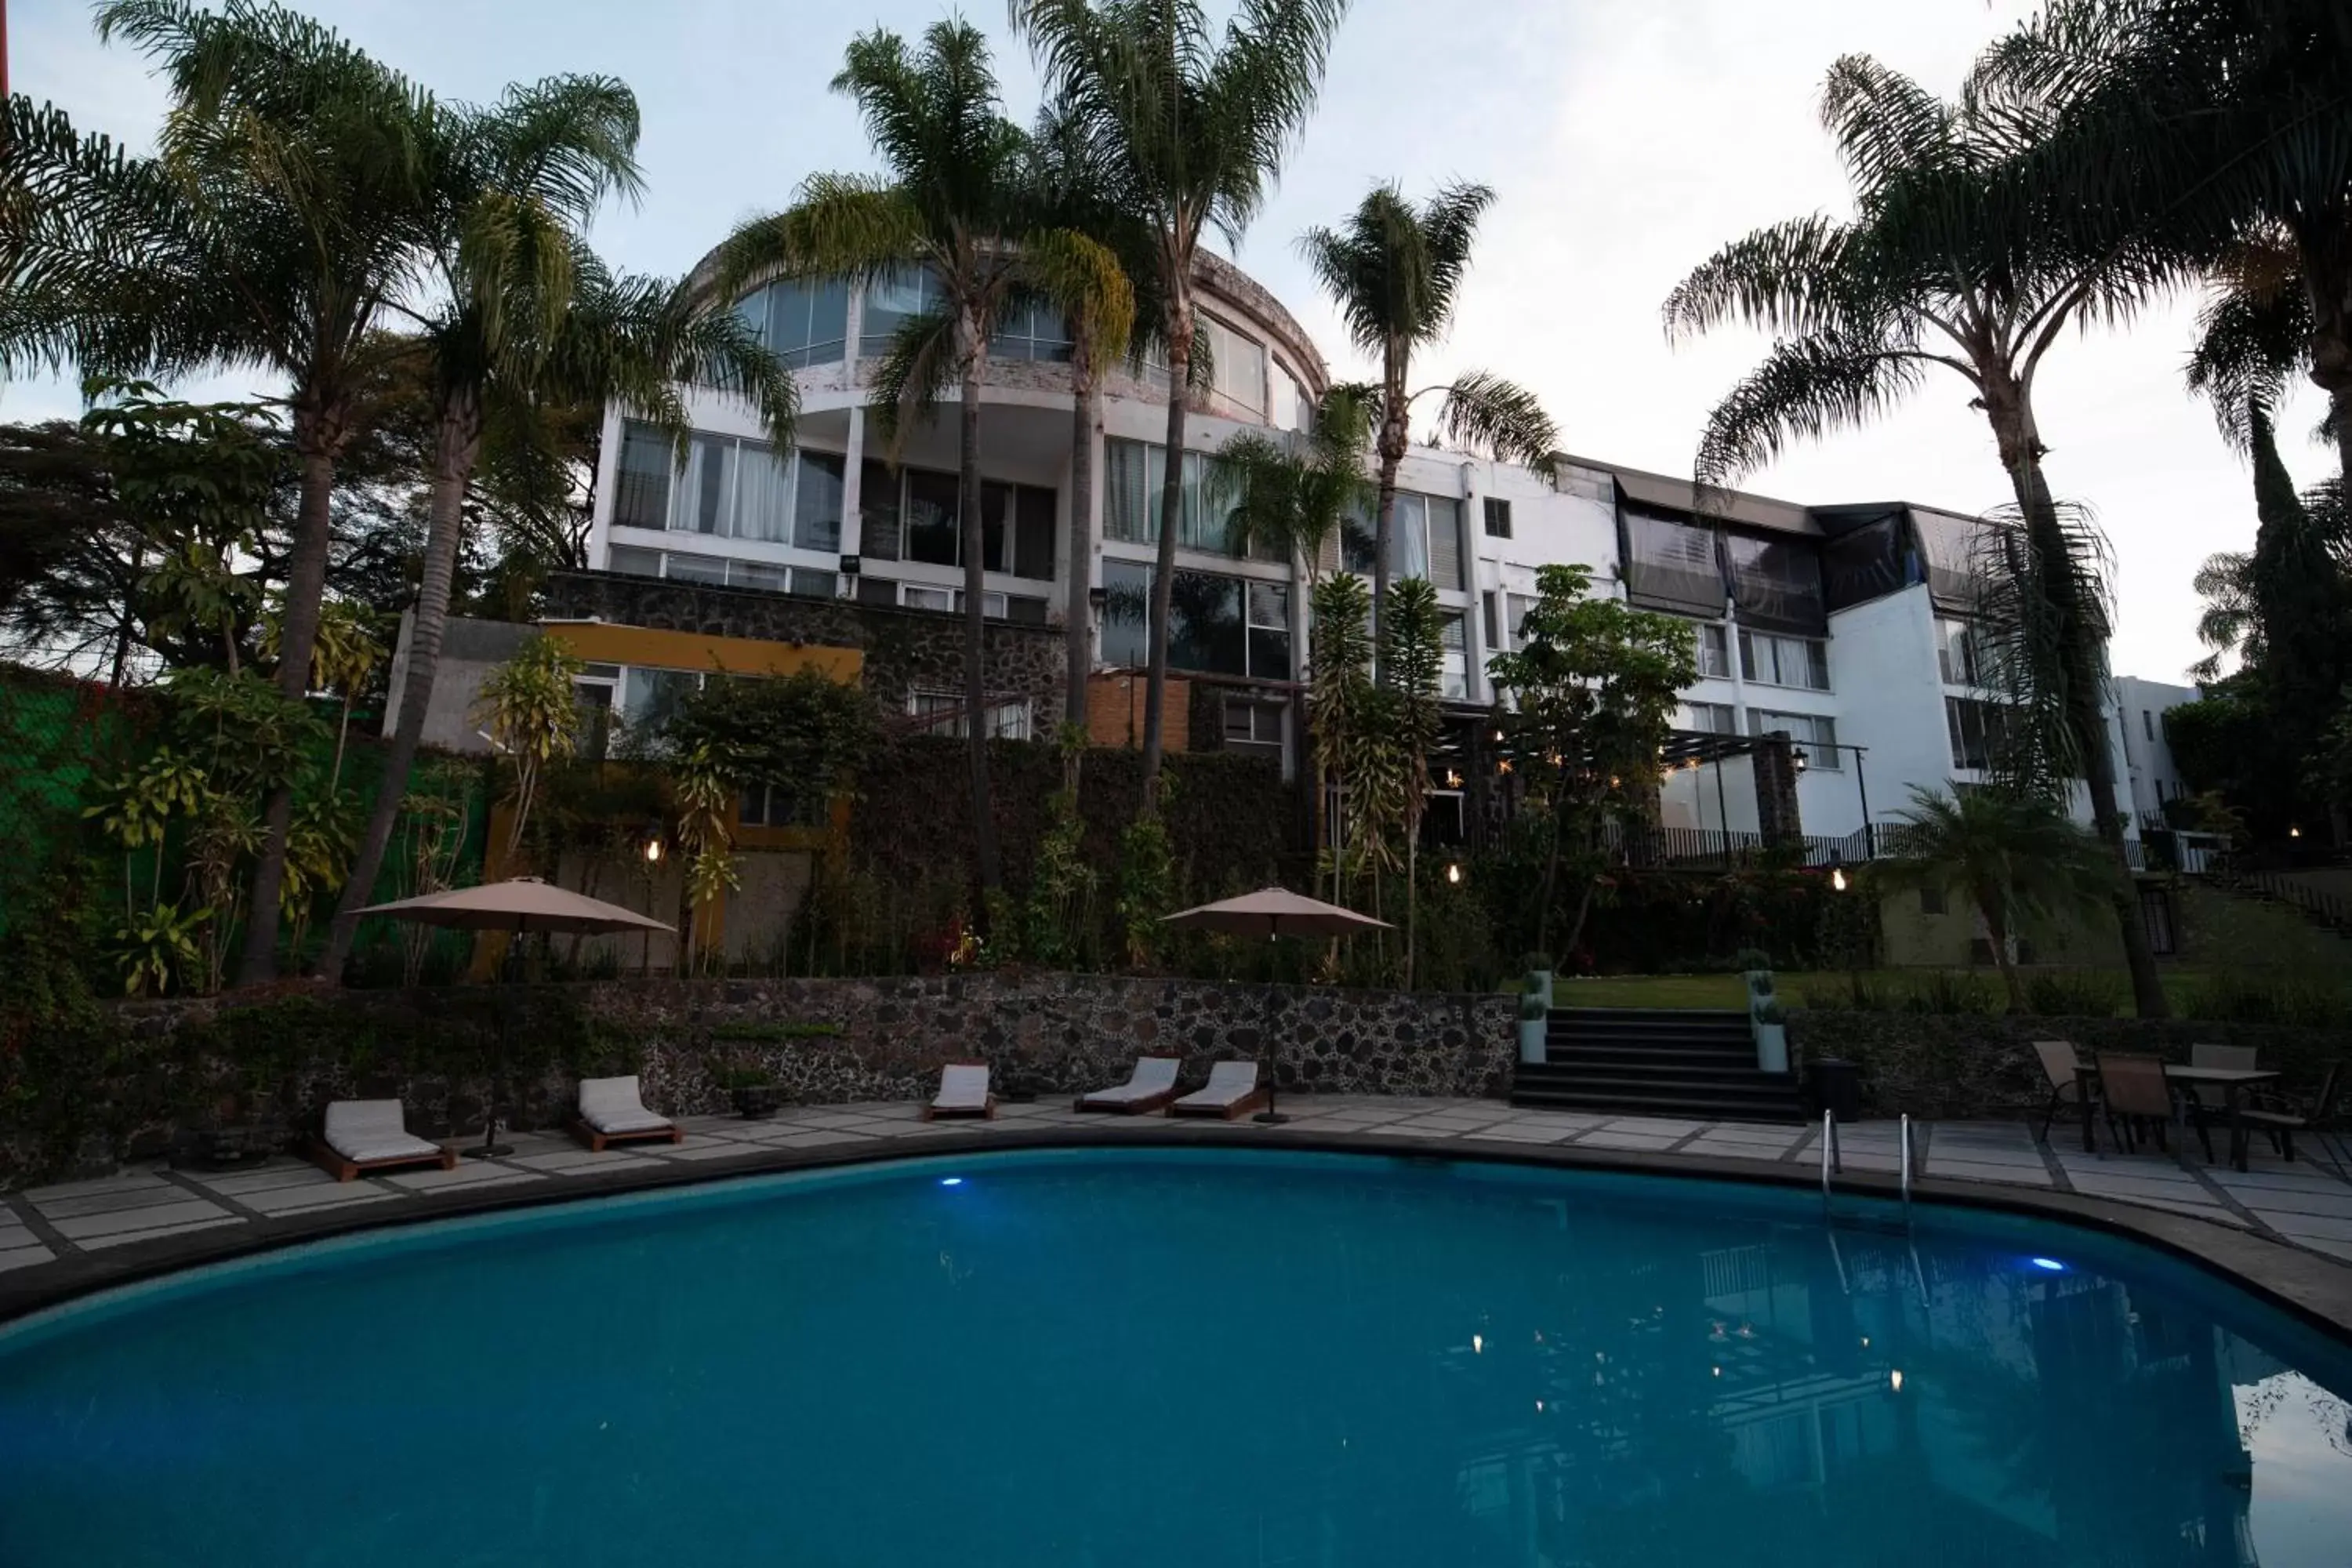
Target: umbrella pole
1267	1049
491	1148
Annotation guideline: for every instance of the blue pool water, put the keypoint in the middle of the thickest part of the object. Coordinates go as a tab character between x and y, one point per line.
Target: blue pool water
1156	1358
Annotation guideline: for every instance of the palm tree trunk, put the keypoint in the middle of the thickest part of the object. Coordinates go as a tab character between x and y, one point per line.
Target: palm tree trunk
318	437
1391	449
2020	448
1086	399
1171	514
975	625
457	446
1998	934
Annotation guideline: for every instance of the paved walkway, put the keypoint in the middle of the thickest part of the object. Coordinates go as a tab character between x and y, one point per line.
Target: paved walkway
2307	1205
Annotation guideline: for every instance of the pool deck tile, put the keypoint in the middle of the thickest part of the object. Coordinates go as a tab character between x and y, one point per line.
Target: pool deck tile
578	1159
89	1230
15	1257
468	1173
328	1194
123	1238
2033	1175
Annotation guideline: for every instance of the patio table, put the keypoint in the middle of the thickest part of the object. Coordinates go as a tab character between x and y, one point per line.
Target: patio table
2232	1082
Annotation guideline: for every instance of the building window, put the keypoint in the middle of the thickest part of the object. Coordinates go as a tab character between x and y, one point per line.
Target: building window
1219	626
1959	653
1293	409
1714	651
1237	369
913	515
1498	517
1784	661
1453	670
2156	915
893	301
1489	620
779	805
801	322
1425	540
725	571
1977	730
1708	719
1031	331
1931	898
1254	724
1515	615
1007	719
1814	734
2147	721
641	489
1135	485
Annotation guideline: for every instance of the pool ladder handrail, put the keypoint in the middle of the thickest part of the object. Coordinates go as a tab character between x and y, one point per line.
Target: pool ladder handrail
1831	1162
1906	1167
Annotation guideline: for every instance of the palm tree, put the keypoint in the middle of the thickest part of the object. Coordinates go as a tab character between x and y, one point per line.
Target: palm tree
2190	125
957	204
2014	856
1395	270
1199	126
1944	265
277	222
1074	177
1293	492
528	317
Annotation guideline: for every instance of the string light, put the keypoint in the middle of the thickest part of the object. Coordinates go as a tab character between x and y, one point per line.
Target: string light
653	851
1453	872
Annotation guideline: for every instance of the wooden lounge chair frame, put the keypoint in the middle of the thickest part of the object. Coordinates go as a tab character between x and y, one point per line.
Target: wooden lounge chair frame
1256	1099
598	1143
327	1158
1139	1105
933	1111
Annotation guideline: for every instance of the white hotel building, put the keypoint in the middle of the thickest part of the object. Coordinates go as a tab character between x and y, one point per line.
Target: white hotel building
1839	625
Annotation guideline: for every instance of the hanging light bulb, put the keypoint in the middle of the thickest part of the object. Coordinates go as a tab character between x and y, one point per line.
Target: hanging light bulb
653	851
1837	878
1453	872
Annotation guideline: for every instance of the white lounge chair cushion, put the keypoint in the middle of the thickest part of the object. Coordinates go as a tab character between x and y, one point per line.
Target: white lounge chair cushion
365	1129
1228	1081
1153	1076
614	1105
962	1087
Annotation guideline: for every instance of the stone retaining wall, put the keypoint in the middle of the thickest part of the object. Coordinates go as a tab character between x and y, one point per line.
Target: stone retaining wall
1942	1064
176	1066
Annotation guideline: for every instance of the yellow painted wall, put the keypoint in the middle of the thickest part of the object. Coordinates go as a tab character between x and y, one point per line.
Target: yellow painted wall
602	642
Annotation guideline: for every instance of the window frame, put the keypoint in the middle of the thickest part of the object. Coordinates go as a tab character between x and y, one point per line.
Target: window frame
1496	510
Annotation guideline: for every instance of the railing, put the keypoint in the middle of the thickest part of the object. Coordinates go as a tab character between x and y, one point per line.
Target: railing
2325	907
1643	847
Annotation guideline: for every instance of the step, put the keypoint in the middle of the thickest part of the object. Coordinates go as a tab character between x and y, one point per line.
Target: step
1741	1079
1684	1107
1675	1018
1572	1054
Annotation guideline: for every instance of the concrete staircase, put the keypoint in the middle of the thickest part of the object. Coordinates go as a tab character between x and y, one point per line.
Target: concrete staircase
1689	1063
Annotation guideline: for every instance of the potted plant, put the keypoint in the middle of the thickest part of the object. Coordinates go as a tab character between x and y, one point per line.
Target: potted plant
1769	1022
1539	970
751	1087
1535	1019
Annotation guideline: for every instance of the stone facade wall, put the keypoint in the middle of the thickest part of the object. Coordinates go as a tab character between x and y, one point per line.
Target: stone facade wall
1978	1065
906	650
180	1066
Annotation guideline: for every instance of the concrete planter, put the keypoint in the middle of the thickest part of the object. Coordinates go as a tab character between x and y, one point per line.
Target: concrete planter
1771	1047
1531	1040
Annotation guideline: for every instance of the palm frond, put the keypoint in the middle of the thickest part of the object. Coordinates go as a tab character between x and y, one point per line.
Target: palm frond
851	226
1081	277
1792	278
1499	418
2041	619
2248	343
913	377
1887	125
1805	388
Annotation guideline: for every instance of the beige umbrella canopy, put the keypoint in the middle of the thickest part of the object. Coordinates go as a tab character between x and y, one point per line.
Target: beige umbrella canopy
1273	912
519	904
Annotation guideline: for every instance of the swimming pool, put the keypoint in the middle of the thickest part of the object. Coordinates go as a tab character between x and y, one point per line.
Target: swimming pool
1171	1357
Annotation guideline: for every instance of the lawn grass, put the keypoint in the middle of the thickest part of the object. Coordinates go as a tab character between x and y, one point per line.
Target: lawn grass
1731	991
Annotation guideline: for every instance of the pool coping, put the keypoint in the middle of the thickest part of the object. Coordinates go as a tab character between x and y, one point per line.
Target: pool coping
2315	1291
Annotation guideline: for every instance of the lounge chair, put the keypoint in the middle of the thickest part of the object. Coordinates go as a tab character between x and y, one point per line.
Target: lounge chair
1232	1090
2136	1093
373	1135
963	1092
1149	1088
2062	1068
611	1111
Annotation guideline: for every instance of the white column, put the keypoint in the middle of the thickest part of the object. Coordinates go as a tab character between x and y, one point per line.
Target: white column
608	478
1473	619
853	474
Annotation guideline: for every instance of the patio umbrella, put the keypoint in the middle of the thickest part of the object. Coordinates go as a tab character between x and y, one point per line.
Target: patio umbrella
518	905
1273	913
